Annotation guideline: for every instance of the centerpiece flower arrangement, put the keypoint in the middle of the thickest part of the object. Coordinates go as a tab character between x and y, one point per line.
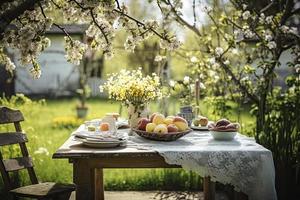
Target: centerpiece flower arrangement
134	90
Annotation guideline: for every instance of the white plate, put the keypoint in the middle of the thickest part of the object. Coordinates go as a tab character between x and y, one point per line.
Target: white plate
218	135
103	144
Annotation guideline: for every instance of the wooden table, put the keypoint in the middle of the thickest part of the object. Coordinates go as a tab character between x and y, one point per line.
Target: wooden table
88	165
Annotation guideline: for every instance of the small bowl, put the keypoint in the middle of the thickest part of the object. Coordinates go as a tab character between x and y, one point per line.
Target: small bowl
223	135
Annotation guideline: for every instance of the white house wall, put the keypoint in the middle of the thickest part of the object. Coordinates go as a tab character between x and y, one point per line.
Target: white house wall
58	76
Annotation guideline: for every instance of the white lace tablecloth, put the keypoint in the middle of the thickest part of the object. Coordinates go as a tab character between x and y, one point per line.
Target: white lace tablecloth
241	162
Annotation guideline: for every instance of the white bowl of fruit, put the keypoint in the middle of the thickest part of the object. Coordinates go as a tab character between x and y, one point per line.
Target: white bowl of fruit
223	129
161	128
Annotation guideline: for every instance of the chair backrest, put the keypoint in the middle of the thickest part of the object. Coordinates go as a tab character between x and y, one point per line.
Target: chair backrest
9	116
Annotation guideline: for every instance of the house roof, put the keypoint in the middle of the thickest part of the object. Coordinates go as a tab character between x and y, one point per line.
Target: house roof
72	29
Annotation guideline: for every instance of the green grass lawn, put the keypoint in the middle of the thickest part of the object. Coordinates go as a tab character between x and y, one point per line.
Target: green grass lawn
46	136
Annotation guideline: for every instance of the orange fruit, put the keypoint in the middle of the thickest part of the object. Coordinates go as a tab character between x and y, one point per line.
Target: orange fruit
104	126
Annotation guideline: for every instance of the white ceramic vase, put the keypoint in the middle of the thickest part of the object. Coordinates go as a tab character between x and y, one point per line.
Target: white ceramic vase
135	113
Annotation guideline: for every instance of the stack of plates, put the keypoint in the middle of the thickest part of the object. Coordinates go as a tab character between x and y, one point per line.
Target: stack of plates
99	141
103	143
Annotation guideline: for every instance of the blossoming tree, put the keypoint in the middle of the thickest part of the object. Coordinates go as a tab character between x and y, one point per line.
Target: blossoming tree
23	24
250	71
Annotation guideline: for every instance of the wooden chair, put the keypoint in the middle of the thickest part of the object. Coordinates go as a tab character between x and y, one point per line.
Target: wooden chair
36	190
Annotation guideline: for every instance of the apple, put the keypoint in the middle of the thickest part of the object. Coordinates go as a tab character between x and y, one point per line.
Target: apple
158	119
152	116
172	128
196	122
203	121
171	117
181	123
168	121
143	123
161	128
150	127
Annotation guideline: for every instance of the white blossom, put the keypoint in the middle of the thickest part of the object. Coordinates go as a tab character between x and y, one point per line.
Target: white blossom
268	36
212	61
235	51
219	51
194	59
202	86
284	29
244	6
216	78
172	83
35	72
271	45
269	19
247	32
6	61
293	30
207	8
170	45
151	24
262	18
159	58
75	50
186	80
244	79
237	34
246	15
226	62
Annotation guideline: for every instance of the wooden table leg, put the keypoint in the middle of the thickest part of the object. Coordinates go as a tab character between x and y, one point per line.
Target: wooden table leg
98	184
208	189
83	177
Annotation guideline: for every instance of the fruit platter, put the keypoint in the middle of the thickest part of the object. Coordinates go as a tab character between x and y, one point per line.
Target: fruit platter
161	128
200	123
223	129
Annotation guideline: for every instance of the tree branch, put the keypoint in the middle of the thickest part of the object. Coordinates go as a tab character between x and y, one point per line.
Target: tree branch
59	7
9	15
142	24
118	4
194	12
58	26
96	23
182	21
253	97
64	31
287	11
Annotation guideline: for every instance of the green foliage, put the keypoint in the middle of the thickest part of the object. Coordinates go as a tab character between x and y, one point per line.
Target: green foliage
220	106
68	122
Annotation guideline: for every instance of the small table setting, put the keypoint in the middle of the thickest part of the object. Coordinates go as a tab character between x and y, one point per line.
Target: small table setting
214	150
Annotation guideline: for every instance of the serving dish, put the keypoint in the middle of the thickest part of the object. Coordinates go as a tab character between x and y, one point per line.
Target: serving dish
223	135
171	136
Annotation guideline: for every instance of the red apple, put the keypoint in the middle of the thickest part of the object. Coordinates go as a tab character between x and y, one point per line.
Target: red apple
143	123
181	123
172	128
152	116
